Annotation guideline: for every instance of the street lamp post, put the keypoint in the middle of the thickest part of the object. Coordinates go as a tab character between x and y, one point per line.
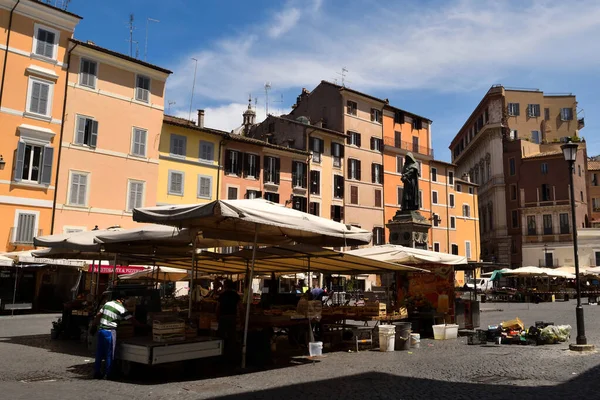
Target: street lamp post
570	152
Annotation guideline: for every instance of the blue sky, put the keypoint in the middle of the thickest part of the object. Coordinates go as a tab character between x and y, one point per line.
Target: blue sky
435	58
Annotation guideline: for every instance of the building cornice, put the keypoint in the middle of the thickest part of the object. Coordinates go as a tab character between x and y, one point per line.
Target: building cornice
44	13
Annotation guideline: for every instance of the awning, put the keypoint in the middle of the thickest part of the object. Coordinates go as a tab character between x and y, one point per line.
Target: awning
163	274
407	255
121	269
27	257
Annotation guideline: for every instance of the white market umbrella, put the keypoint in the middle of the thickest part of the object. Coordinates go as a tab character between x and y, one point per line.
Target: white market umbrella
78	241
255	221
407	255
164	274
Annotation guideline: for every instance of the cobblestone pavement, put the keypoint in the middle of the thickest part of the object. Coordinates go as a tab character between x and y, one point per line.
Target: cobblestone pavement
34	367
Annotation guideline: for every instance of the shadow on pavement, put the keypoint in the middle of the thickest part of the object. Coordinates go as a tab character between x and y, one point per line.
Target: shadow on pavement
71	347
376	385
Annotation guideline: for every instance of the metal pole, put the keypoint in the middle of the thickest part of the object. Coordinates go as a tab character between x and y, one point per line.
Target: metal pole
193	87
15	291
581	339
192	279
249	299
114	274
146	47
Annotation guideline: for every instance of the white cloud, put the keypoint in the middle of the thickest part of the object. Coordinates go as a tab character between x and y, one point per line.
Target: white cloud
226	117
450	46
284	21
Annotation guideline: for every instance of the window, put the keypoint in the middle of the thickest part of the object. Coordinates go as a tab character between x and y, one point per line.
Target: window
253	194
514	134
399	164
337	213
452	222
271	128
466	211
515	218
579	169
531	225
434	197
513	109
471	190
272	197
398	117
233	163
564	223
436	219
468	249
581	196
176	183
78	189
378	198
420	167
594	180
338	186
375	115
376	144
88	71
353	138
299	203
317	146
45	42
535	137
33	163
135	195
533	110
87	131
337	152
398	139
546	196
39	97
597	256
204	187
138	142
142	88
566	114
26	227
378	236
232	193
315	182
436	247
299	170
547	224
420	199
486	116
450	178
415	144
417	123
458	187
178	145
512	166
206	152
451	200
271	171
547	114
314	208
354	169
351	107
252	166
513	192
353	194
400	194
596	204
377	173
544	168
454	249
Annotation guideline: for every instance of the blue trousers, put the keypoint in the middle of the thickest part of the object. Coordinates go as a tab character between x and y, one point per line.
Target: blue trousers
105	350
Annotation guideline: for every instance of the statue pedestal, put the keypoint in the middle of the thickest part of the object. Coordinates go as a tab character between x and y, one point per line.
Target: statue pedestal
410	229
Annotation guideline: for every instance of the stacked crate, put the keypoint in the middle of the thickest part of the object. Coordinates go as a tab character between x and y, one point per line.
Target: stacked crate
168	331
374	310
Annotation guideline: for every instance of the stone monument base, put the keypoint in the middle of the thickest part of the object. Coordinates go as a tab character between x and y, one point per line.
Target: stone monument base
409	228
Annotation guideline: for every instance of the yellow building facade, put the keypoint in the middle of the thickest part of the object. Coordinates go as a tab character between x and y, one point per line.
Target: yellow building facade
189	157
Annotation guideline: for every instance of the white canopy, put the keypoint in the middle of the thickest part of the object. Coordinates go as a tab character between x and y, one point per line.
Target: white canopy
27	257
240	220
5	261
534	272
78	241
407	255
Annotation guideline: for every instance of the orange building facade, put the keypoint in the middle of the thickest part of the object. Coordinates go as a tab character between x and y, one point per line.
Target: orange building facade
34	38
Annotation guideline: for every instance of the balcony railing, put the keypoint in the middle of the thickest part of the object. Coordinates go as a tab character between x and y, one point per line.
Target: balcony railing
17	237
399	144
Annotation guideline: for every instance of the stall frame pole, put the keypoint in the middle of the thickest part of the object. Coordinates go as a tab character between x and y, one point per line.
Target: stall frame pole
12	313
249	299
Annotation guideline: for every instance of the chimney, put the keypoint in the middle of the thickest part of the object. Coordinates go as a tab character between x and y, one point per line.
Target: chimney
200	122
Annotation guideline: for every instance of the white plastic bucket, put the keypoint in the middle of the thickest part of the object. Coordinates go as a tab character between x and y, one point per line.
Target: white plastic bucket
439	332
315	349
387	337
451	331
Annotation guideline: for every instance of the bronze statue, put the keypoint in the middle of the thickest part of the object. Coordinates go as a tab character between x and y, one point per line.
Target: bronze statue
410	178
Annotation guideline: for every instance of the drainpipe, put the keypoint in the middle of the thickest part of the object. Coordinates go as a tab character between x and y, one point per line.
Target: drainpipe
448	249
6	51
60	139
221	143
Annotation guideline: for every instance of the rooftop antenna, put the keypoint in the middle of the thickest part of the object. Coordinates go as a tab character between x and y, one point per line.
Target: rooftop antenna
146	48
280	102
193	87
343	75
131	35
267	88
170	104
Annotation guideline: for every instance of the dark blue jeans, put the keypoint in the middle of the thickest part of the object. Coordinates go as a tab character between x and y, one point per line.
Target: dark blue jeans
105	350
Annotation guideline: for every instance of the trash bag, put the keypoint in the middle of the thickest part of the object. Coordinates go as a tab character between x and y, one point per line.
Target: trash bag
555	334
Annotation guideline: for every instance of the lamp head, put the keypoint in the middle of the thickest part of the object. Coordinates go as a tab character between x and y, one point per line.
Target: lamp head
569	151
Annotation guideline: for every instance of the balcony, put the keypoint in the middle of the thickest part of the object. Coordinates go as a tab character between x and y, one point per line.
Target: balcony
408	146
20	238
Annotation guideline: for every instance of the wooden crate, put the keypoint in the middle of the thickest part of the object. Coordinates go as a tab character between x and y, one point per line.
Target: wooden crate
168	327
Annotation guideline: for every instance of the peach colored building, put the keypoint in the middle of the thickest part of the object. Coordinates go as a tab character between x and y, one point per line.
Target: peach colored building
33	55
109	153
